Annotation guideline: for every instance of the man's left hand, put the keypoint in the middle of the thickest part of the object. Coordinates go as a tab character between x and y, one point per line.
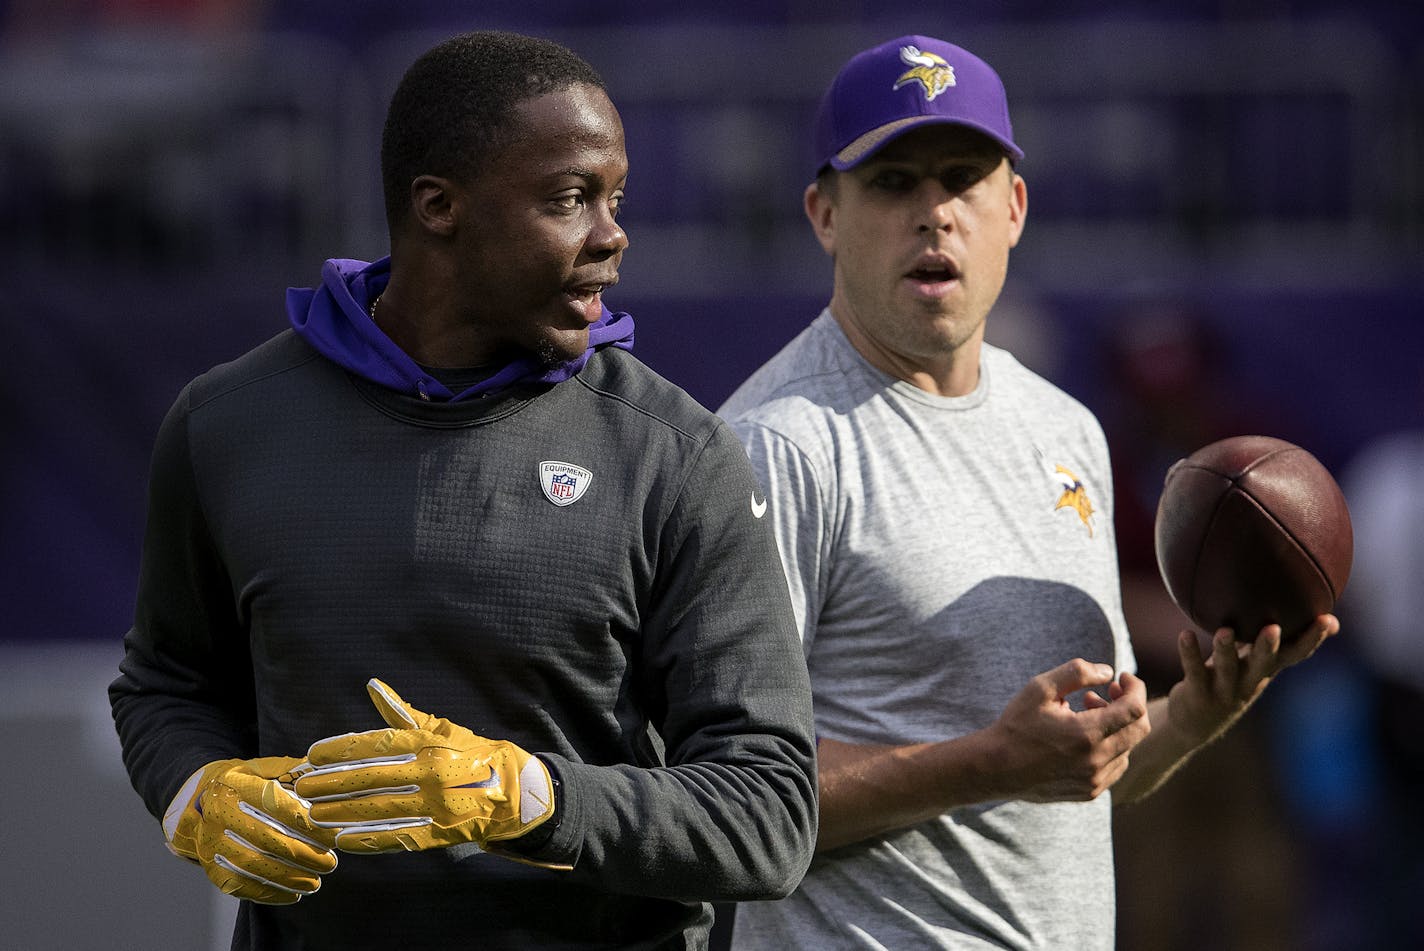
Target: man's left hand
423	783
1217	688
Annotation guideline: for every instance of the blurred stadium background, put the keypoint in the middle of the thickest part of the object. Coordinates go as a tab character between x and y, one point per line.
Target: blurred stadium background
1226	234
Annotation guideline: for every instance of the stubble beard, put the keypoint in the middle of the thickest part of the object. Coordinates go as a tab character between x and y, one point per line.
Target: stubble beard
548	355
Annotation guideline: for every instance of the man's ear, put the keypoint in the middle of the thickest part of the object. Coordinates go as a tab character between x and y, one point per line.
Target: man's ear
820	208
1018	207
433	203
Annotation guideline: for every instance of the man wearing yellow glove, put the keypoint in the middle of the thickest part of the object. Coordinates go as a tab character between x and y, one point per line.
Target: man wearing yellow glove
250	833
422	783
450	472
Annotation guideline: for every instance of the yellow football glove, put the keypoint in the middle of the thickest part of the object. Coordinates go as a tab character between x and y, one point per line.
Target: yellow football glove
252	835
425	783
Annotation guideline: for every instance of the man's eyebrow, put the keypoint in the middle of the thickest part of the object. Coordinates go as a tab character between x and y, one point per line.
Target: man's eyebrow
573	171
578	171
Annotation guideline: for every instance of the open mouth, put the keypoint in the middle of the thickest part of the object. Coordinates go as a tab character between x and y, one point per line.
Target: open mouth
935	271
588	298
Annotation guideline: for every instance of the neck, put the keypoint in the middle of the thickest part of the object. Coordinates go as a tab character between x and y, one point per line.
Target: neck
951	371
415	312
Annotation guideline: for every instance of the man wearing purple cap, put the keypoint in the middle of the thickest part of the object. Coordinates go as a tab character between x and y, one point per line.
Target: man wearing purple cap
945	521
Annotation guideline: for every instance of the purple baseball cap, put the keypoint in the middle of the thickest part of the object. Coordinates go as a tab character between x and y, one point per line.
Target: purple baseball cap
886	91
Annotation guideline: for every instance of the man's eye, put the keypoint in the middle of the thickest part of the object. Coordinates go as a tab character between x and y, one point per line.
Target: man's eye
891	180
568	202
958	180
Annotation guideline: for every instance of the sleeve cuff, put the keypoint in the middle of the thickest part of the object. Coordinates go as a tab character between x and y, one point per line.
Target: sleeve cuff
553	844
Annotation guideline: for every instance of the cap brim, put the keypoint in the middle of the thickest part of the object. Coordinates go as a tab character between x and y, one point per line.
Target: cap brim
871	142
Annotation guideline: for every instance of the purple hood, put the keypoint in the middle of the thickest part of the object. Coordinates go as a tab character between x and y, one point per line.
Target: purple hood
334	319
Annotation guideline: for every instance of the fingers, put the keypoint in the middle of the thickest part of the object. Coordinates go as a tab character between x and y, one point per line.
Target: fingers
1308	641
1262	660
234	881
234	857
374	838
372	746
259	844
1233	671
291	833
1071	677
1122	721
401	715
242	871
373	790
1131	686
395	711
1226	663
362	777
1194	670
373	804
1060	755
269	820
1126	703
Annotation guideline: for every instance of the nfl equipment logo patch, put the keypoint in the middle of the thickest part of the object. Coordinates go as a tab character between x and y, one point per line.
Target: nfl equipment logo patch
563	483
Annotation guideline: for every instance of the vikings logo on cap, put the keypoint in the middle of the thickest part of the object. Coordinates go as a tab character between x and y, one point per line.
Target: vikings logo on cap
1074	496
930	71
563	482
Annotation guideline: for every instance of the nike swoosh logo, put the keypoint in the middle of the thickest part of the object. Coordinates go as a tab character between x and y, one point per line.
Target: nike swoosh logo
758	508
489	782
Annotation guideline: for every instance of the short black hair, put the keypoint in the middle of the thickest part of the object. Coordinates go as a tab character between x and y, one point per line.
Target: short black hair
455	105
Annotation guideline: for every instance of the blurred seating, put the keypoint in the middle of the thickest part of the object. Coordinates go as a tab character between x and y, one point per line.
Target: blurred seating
1262	152
158	150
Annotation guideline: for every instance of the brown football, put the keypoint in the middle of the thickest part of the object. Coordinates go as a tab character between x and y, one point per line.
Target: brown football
1251	531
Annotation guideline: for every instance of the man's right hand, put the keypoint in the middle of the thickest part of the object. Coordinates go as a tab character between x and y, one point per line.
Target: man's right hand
251	834
1040	749
1052	753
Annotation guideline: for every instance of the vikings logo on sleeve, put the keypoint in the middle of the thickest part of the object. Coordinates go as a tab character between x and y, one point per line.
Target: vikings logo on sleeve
930	71
1074	496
